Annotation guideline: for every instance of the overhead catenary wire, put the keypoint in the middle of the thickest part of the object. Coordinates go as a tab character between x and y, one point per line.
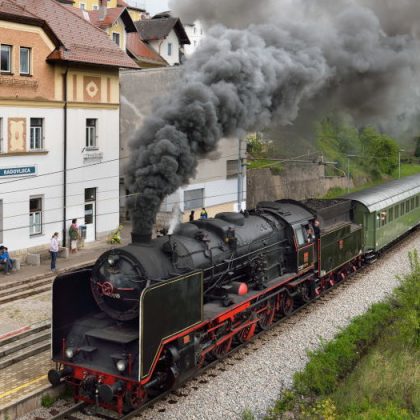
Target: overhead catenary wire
97	215
103	162
112	199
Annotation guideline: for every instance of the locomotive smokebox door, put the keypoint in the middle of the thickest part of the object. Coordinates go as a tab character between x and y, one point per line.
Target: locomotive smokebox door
167	309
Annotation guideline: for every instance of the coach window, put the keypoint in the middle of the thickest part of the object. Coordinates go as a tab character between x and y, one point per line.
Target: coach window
407	206
390	214
417	198
35	216
412	204
402	209
397	212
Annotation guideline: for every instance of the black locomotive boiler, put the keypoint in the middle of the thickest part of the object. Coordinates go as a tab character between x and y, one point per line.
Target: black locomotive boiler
149	315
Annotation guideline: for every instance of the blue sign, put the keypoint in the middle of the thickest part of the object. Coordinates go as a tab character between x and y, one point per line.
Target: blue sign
24	170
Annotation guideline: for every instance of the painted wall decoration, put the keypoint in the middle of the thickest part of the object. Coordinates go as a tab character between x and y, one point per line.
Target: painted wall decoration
91	89
17	135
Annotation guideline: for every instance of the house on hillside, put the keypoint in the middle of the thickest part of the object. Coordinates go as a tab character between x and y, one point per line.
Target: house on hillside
118	24
166	35
59	124
195	33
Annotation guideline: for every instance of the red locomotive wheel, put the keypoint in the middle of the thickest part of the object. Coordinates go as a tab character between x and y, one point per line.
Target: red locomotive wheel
265	318
222	349
244	334
287	305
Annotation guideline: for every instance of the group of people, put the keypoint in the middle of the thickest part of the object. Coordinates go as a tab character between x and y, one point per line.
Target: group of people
55	244
203	214
313	231
5	260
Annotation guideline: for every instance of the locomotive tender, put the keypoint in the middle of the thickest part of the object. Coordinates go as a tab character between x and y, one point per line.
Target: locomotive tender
149	315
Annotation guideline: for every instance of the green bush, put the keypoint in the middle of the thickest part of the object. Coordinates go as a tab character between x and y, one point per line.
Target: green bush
47	400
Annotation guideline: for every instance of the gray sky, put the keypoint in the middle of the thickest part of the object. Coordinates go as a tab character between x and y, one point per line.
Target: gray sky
156	6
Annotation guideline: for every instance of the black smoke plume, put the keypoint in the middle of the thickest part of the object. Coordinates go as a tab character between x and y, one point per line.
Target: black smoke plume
308	54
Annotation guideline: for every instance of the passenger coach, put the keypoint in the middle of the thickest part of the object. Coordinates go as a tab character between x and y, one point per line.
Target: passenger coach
387	211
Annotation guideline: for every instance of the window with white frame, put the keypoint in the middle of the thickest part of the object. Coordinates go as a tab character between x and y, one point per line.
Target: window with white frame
36	134
194	199
35	215
95	7
232	168
25	61
6	59
169	48
91	126
116	38
82	6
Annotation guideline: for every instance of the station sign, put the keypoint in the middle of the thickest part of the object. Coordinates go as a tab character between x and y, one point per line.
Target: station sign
18	171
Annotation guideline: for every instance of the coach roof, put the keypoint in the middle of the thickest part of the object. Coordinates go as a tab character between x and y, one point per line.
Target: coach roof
387	194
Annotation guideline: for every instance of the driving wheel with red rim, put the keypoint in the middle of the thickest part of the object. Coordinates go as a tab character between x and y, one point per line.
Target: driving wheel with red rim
287	304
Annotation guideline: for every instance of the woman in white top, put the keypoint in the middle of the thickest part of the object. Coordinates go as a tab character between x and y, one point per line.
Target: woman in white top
54	246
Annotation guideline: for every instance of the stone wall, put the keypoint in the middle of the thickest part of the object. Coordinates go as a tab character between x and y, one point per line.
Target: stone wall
296	182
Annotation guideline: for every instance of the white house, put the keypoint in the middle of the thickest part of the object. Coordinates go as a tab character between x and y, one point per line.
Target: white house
195	33
166	35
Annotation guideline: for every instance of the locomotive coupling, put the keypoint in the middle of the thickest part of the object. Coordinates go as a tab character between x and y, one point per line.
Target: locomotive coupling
55	376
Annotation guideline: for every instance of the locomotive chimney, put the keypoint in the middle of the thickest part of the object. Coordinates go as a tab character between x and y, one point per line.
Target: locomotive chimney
141	238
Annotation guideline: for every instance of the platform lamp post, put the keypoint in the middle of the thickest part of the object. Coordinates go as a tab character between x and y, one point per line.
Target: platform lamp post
399	162
348	171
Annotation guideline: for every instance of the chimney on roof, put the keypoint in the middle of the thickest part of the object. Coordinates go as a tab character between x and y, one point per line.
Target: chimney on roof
102	9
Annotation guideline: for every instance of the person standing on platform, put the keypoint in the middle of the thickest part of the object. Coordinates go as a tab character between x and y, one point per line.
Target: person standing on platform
54	247
192	215
74	236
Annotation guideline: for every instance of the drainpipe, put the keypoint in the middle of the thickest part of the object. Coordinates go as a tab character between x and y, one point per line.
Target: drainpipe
65	159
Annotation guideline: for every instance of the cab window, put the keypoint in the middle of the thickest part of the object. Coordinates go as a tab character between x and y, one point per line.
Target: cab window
300	237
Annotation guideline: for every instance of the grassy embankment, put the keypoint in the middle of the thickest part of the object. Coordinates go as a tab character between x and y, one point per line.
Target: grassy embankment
370	370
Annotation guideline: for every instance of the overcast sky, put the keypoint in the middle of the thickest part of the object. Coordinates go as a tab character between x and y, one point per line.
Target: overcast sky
156	6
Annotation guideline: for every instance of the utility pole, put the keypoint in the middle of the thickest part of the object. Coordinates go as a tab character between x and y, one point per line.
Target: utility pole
240	178
399	162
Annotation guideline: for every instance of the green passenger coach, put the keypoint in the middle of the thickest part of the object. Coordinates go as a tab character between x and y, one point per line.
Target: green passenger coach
387	211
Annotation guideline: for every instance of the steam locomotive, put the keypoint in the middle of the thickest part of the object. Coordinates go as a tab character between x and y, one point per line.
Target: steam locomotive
147	316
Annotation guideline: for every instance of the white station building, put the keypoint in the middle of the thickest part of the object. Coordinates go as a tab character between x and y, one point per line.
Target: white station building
59	125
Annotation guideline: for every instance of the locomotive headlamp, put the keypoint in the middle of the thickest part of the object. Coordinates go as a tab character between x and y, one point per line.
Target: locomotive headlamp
112	260
70	352
121	365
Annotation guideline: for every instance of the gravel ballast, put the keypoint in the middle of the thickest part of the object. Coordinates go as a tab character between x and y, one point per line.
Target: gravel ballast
253	378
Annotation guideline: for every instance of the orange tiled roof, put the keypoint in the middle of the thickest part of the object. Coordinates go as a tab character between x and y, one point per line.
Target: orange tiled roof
142	51
81	42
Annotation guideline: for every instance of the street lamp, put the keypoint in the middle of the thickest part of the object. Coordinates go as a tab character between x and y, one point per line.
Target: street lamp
399	162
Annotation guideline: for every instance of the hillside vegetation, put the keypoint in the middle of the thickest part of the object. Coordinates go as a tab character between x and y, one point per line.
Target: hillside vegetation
370	370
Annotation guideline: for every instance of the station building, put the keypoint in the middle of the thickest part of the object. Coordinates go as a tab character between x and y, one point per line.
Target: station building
59	124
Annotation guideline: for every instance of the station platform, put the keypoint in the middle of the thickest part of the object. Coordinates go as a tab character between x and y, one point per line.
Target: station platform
23	383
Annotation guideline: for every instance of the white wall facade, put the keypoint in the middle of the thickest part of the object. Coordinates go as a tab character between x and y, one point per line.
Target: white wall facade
161	47
195	33
84	170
